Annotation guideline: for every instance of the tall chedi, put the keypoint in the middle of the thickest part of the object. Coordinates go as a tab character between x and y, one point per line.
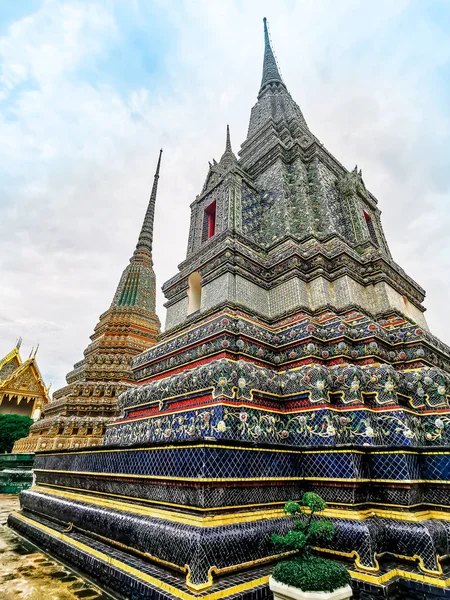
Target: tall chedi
296	357
79	411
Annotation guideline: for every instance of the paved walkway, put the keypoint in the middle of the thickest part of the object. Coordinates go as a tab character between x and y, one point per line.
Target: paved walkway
29	575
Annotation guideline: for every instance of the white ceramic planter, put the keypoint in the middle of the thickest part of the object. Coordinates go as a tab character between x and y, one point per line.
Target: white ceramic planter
287	592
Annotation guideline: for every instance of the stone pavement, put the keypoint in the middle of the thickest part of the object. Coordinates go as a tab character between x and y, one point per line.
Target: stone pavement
29	575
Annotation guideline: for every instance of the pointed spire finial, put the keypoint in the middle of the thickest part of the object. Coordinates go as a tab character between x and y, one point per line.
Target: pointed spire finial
146	236
270	67
19	343
228	156
228	143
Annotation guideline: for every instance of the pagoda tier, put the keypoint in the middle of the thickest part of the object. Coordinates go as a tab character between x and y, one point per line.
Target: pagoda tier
296	357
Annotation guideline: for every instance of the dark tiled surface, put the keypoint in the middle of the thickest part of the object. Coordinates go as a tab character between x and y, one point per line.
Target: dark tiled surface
181	543
120	581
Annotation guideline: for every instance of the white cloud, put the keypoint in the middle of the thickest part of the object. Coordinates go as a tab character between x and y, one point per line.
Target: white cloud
77	156
54	40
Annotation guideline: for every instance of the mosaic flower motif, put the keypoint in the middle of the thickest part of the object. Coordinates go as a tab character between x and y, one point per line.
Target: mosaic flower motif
355	385
408	433
242	383
243	416
441	390
439	423
221	426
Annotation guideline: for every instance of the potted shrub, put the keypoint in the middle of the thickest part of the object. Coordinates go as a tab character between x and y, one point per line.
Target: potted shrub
307	576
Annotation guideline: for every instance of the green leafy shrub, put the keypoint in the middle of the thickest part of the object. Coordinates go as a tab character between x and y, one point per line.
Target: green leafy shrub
12	428
308	572
313	574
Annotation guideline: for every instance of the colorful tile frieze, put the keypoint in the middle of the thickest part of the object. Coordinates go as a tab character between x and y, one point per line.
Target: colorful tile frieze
293	343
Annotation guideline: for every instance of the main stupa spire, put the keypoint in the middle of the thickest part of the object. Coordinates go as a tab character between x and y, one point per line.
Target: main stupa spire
146	235
271	72
228	142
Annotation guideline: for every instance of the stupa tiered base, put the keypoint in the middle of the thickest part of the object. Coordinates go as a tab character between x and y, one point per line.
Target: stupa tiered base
194	474
206	509
136	577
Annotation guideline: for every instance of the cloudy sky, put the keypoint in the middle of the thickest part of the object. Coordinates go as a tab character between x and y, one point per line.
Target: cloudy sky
90	90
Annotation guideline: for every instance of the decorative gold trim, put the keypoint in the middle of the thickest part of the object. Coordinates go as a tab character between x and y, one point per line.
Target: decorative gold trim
172	447
217	520
166	478
419	559
176	517
403	508
398	572
354	554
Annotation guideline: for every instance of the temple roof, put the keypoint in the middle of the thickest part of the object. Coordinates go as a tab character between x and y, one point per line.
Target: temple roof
22	378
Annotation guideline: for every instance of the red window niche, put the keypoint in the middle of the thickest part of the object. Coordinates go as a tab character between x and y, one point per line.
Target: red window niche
371	228
210	221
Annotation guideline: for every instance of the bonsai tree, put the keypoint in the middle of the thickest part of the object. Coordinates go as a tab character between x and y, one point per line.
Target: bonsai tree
307	571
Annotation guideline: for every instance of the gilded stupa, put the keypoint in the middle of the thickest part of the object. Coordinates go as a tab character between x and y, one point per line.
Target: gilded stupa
79	411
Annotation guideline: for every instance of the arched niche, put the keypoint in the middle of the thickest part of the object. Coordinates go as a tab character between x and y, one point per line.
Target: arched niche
194	292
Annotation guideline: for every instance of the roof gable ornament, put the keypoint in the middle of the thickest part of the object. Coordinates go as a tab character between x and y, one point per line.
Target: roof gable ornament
228	157
217	170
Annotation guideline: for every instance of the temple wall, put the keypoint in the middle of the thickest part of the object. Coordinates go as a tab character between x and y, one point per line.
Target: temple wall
386	297
252	296
176	313
217	291
288	296
340	294
12	407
